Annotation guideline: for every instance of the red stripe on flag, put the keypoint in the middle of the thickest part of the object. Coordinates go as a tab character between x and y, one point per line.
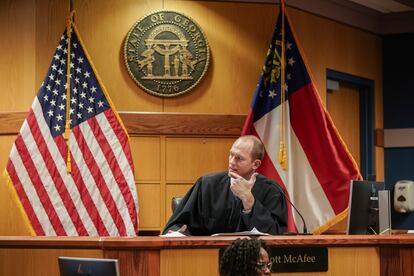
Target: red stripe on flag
39	186
37	227
248	124
121	135
99	180
116	170
322	146
83	191
56	177
88	202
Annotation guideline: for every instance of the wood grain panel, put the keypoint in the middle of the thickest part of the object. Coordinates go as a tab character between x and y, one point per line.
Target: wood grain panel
189	158
150	206
39	262
136	262
343	106
50	24
17	58
397	261
186	262
239	35
146	153
348	261
104	33
172	191
155	123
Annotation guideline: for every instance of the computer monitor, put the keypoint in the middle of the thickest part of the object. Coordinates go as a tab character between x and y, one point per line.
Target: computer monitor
363	212
73	266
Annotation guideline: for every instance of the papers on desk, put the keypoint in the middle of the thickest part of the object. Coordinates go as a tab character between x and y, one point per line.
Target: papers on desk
174	234
253	232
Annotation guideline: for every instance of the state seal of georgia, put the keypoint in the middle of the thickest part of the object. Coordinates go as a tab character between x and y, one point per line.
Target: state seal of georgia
166	53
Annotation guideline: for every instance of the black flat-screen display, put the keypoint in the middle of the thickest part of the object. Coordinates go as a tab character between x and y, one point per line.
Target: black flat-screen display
363	212
72	266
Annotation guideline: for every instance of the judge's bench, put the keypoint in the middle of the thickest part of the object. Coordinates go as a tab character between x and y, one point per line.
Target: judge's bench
153	256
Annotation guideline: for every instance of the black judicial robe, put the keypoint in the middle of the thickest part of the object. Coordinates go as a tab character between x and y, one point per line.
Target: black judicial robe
210	207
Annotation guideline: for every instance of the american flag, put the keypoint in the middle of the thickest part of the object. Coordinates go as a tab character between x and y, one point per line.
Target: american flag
98	198
319	167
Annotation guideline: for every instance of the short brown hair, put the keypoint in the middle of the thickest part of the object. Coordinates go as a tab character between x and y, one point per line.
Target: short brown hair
257	149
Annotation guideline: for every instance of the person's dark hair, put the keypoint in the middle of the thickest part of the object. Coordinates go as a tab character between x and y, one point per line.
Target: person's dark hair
257	149
241	257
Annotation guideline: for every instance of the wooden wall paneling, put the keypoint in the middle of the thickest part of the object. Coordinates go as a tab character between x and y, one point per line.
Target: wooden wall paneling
136	262
149	206
239	35
171	191
354	261
146	153
189	262
50	24
17	58
155	123
397	261
38	262
191	157
104	34
343	106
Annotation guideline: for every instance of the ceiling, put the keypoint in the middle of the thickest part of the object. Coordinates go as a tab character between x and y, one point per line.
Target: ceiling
387	6
381	17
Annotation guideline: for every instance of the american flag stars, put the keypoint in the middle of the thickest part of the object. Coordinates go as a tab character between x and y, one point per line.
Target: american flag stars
86	97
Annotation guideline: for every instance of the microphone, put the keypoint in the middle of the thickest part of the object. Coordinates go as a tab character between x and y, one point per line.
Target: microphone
305	229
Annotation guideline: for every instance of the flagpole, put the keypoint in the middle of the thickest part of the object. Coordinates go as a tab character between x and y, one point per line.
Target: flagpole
69	20
282	147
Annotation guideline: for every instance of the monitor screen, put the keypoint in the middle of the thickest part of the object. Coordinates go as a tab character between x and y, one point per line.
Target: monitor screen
73	266
363	212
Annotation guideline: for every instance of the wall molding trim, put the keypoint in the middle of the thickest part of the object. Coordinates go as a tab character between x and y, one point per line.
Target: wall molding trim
399	138
155	123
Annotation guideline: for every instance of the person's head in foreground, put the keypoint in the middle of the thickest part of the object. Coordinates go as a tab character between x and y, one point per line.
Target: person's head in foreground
245	257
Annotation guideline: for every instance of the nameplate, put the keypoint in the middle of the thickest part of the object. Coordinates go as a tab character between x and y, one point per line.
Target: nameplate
298	259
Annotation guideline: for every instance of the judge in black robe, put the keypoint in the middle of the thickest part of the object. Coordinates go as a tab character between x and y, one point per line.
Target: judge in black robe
211	207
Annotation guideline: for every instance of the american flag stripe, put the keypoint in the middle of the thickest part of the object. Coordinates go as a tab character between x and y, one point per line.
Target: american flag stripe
97	225
24	199
46	193
98	201
58	190
56	165
120	133
91	157
21	175
121	167
99	196
98	145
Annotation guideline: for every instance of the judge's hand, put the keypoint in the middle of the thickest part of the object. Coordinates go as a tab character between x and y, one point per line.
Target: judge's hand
181	230
242	188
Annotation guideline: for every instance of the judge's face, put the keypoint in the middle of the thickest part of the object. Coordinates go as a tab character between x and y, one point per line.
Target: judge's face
240	160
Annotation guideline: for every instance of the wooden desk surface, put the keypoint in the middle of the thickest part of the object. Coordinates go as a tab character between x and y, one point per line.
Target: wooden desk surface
202	242
154	256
